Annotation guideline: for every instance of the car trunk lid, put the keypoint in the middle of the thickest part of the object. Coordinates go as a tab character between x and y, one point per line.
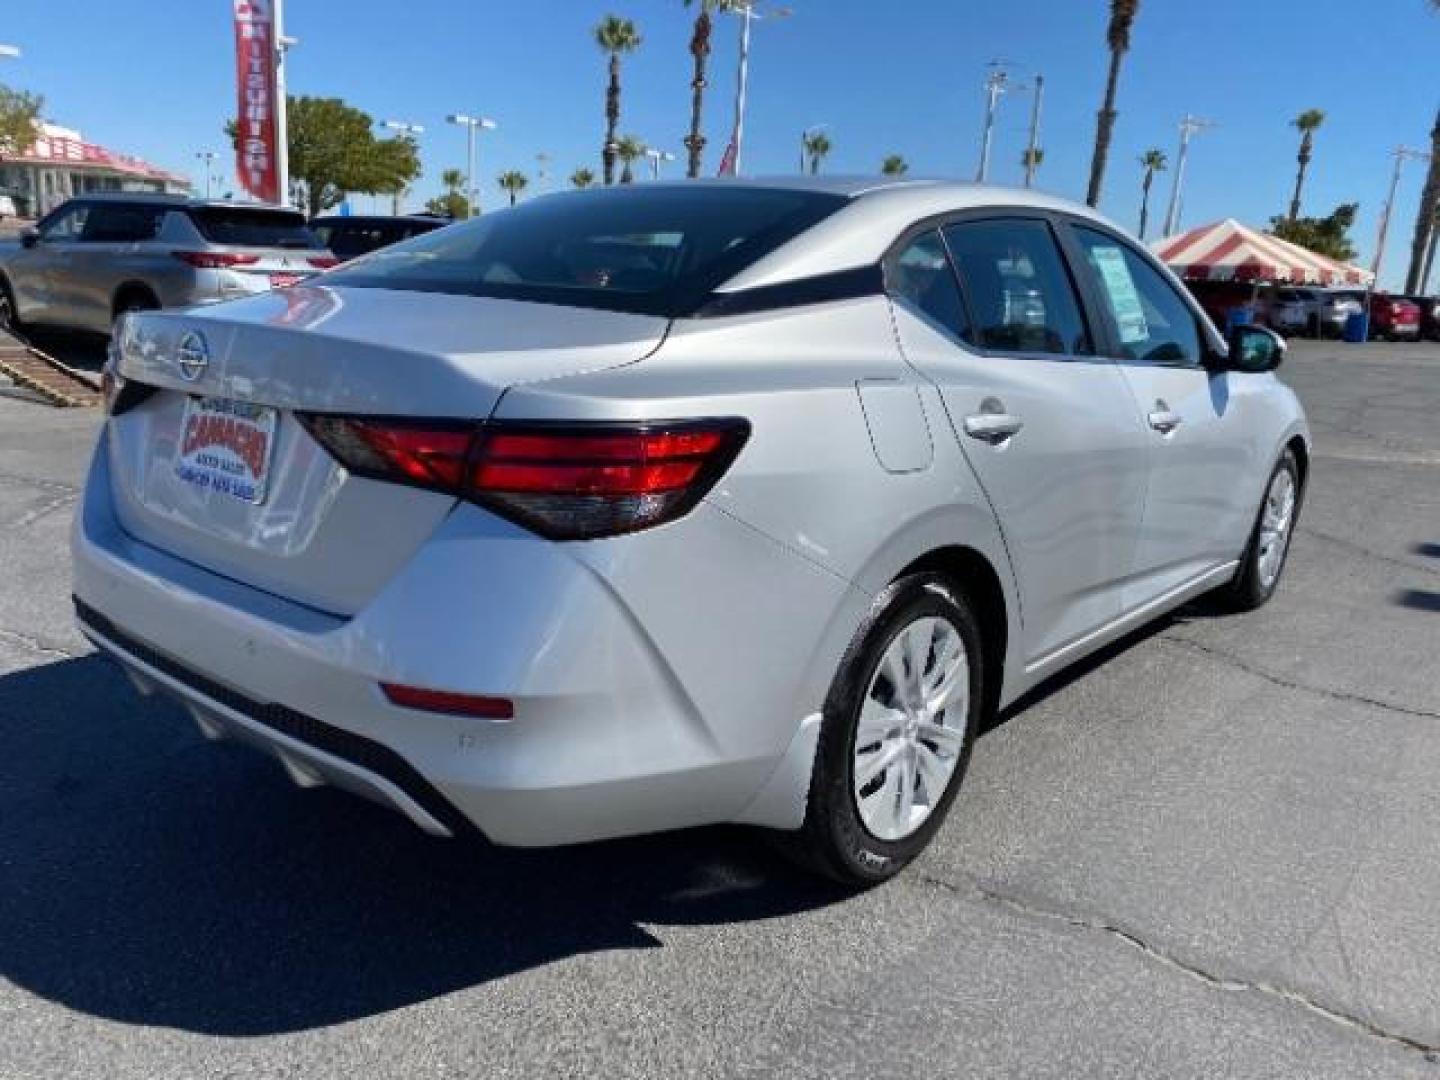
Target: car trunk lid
214	466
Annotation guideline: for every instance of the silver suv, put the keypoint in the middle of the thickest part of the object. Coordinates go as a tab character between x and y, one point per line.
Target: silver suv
94	257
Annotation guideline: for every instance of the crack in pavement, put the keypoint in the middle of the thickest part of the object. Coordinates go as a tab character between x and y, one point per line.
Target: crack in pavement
45	509
1163	958
36	645
44	485
1291	684
1361	549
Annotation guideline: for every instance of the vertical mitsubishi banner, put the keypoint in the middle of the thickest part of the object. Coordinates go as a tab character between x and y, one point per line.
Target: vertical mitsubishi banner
260	150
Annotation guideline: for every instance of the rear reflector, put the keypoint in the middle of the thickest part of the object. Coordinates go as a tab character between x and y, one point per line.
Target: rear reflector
215	260
564	481
323	262
444	701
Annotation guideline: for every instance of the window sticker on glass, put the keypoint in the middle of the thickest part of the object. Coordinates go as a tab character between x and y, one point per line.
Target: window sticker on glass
1124	297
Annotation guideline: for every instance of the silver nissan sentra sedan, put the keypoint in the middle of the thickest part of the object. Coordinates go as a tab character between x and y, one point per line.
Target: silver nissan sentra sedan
675	504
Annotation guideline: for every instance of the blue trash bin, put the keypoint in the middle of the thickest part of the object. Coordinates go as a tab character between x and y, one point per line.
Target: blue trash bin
1357	327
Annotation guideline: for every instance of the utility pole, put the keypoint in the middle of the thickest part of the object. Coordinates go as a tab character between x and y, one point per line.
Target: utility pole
1031	154
412	132
208	156
283	45
1402	155
1189	126
9	52
805	145
996	83
745	9
471	124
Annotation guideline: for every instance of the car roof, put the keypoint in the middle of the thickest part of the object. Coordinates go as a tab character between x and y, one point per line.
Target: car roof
180	202
879	210
371	219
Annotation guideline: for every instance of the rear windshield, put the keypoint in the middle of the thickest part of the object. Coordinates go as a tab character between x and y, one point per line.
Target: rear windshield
649	249
253	228
348	239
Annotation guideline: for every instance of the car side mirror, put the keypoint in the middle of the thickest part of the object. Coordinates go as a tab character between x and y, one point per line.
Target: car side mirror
29	238
1253	349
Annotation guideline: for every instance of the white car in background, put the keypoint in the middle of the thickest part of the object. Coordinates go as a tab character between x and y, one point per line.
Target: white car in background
1314	312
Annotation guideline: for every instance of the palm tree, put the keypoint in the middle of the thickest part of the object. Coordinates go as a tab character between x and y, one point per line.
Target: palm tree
1031	160
1307	123
630	150
452	180
1152	161
817	145
614	35
512	183
700	50
893	165
1117	36
582	178
1425	216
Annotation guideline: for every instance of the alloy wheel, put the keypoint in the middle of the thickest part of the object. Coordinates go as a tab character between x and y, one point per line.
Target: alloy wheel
1275	523
911	730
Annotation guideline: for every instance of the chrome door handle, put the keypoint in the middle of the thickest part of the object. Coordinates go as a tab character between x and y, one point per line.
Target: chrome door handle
993	428
1165	421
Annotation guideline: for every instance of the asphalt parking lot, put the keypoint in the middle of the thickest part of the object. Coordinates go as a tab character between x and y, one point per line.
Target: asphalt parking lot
1212	851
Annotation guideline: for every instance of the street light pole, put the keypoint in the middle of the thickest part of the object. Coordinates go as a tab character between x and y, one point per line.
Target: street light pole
1402	155
1189	126
208	156
412	131
745	9
656	157
996	84
283	45
471	124
9	52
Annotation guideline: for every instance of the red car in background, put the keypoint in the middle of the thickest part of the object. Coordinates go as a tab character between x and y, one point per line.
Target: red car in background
1394	317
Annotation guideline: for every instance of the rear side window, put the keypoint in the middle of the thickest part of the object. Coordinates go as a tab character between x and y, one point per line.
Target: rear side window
921	274
1153	322
1020	295
244	227
643	248
118	223
349	240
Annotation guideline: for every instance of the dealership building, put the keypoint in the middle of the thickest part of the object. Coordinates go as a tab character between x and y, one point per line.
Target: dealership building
61	164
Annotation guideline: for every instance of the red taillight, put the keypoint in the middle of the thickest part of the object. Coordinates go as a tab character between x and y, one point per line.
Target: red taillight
323	262
564	481
446	701
214	260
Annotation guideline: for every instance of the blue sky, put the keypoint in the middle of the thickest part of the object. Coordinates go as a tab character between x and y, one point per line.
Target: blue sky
154	78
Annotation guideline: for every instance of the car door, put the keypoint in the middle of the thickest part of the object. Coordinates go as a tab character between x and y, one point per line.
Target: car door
108	255
33	269
1202	446
985	308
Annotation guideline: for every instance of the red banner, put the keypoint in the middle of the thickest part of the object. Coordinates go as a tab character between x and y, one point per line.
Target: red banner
256	163
727	159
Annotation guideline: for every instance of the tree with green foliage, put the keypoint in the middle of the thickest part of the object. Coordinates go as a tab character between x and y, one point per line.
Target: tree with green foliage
1032	159
615	36
894	165
629	150
512	182
1117	37
1152	161
582	178
1328	236
817	148
452	203
333	150
19	115
1307	123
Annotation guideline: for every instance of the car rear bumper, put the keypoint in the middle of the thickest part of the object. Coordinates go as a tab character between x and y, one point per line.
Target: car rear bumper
606	739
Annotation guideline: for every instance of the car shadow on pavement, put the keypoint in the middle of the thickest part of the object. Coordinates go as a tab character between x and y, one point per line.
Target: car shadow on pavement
150	877
1419	599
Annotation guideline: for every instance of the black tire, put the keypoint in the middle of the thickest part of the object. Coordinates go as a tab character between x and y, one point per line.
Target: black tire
9	321
1248	590
834	840
134	298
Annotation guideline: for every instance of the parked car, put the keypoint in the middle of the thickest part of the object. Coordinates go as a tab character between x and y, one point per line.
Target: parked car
350	237
670	504
1220	298
1312	311
93	257
1394	317
1429	307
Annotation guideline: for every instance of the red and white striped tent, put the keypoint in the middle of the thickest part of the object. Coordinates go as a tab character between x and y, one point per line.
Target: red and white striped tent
1230	251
